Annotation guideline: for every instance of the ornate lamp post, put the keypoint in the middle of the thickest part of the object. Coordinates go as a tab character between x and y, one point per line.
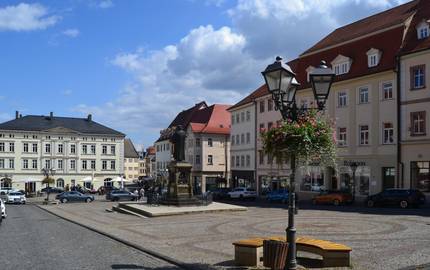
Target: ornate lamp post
47	173
353	167
281	82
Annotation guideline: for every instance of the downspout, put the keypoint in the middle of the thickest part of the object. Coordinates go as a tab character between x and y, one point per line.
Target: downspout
400	166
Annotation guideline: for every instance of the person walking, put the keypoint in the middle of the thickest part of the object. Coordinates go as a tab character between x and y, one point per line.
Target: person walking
137	193
142	194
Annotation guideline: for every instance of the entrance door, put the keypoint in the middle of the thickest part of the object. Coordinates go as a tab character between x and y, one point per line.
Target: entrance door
388	176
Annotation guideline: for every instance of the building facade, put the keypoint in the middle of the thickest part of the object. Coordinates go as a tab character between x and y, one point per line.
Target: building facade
131	161
81	151
242	144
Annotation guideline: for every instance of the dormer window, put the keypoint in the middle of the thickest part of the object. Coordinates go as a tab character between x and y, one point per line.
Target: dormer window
373	57
423	30
341	64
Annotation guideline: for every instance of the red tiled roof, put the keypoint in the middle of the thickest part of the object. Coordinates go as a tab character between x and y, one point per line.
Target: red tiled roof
368	25
411	42
150	150
261	91
214	119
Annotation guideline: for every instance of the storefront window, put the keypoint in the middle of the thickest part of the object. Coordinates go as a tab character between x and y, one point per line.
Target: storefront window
362	179
420	174
270	183
312	179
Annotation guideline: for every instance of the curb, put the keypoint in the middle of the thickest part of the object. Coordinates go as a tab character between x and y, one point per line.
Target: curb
127	243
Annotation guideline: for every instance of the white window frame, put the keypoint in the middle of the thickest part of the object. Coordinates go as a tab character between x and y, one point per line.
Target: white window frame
360	95
343	136
387	133
364	135
342	99
384	89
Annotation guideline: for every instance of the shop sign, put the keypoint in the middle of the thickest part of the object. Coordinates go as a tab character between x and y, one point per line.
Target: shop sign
349	162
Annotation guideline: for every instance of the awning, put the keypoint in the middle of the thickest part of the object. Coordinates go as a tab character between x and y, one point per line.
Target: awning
120	179
87	179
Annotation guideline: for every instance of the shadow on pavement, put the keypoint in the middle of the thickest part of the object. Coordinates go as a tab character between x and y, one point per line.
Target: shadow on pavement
360	208
187	266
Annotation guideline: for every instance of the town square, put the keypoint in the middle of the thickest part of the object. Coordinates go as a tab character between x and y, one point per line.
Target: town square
215	134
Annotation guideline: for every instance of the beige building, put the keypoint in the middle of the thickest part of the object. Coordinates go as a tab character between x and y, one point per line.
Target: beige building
82	152
131	161
415	102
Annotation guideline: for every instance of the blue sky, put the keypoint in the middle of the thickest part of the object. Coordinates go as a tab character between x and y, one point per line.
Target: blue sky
134	64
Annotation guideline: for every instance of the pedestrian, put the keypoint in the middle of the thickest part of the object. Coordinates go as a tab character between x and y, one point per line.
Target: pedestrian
137	194
142	194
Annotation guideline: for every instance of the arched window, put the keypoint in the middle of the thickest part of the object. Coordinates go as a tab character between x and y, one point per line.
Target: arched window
108	182
5	183
60	183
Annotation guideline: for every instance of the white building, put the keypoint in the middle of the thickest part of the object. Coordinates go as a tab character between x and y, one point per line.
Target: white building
131	161
80	150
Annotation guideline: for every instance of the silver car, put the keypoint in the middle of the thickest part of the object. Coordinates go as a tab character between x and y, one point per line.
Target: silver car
16	197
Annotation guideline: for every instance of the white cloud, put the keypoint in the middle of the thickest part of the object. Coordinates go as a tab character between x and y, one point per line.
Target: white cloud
105	4
26	17
72	33
219	65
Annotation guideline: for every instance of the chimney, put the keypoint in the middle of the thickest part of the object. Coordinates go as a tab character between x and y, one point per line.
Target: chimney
51	115
16	114
89	118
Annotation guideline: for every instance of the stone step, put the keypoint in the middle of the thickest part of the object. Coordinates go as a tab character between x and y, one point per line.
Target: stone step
123	210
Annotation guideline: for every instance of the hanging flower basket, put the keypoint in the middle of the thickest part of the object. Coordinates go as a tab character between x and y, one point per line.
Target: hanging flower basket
311	138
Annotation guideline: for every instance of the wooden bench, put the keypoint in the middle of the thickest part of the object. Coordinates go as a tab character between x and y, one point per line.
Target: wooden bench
249	252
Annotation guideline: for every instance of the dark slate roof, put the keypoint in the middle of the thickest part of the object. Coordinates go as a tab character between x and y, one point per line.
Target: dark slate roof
129	150
46	123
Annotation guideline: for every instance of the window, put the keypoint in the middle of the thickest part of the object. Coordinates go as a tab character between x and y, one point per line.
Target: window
48	164
269	105
269	126
47	148
1	163
237	139
242	116
423	30
373	60
237	161
60	183
248	160
59	164
73	164
112	149
363	95
242	161
93	164
72	149
418	121
388	133
232	139
248	115
84	149
242	138
341	68
25	147
210	160
420	174
197	159
11	147
84	164
25	164
342	98
210	143
261	157
198	142
364	135
34	147
417	77
112	165
262	106
232	161
104	165
60	148
237	118
387	90
248	137
342	136
11	164
158	148
261	127
104	149
93	149
34	163
232	119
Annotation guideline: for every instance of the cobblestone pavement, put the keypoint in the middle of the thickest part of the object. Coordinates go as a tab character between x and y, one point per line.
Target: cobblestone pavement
381	238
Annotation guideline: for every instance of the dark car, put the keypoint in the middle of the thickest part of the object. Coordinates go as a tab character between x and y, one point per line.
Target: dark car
397	197
116	195
279	195
52	190
74	196
220	193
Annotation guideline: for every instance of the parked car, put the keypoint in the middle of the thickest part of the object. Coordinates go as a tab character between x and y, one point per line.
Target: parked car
243	193
116	195
3	210
221	193
52	190
279	195
334	197
397	197
16	197
74	196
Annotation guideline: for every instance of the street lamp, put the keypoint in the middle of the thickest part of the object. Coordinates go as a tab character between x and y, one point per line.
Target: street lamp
353	166
281	83
48	172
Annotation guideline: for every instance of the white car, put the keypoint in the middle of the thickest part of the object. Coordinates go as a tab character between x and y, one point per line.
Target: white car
243	193
3	209
16	197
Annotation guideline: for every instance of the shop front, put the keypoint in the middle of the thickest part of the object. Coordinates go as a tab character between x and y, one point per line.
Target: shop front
243	179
